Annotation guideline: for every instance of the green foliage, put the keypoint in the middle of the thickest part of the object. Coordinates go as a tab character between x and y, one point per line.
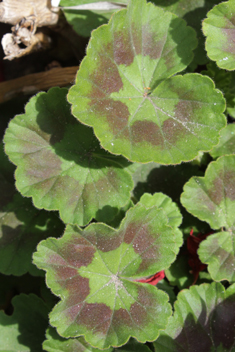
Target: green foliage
212	199
59	159
219	29
24	330
138	110
136	160
226	143
199	320
92	270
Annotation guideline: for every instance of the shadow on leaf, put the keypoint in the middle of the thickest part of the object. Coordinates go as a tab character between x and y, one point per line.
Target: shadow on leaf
204	333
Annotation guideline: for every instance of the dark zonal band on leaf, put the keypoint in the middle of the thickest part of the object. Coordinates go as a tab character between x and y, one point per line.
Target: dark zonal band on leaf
61	165
124	90
95	271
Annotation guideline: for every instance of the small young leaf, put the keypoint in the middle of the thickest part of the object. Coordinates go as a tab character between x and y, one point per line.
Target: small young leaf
218	251
219	29
161	200
24	330
204	321
212	198
124	92
93	271
61	165
226	143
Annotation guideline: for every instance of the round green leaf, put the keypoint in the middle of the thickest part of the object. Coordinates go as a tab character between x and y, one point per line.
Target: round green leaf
204	321
61	165
218	251
219	28
212	198
94	272
226	143
124	92
163	201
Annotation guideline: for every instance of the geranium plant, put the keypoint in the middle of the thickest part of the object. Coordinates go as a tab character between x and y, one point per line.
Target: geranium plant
118	230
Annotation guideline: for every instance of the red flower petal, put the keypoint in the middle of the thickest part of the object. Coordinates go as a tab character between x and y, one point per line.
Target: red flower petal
153	280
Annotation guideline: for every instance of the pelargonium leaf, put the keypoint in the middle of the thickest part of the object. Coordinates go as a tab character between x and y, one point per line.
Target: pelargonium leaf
226	143
56	343
163	201
218	251
203	321
61	165
93	271
124	92
219	27
212	198
22	226
24	330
